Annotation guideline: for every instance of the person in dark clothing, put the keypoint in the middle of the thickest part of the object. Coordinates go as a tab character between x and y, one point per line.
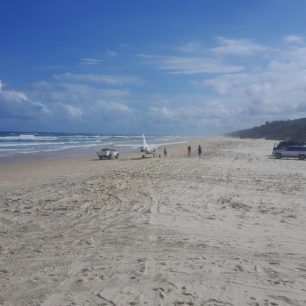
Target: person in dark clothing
200	151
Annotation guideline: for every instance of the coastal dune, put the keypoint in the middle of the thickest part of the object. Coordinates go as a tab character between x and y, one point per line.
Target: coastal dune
226	229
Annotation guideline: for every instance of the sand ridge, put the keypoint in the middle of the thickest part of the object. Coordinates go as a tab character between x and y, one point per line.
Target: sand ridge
227	229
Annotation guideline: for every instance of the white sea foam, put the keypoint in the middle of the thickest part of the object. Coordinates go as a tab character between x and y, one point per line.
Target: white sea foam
25	144
27	137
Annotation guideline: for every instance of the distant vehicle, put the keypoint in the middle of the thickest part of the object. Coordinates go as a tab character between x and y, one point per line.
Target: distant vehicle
107	153
290	151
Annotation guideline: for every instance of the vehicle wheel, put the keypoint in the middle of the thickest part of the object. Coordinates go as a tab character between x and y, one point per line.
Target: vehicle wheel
278	155
117	156
110	157
100	157
301	157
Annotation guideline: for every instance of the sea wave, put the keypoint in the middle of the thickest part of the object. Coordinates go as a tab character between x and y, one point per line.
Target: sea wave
12	143
47	149
27	138
24	144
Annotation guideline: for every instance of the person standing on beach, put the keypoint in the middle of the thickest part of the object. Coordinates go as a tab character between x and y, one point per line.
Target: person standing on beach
165	152
200	151
189	151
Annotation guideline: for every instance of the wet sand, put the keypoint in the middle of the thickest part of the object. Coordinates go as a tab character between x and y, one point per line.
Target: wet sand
226	229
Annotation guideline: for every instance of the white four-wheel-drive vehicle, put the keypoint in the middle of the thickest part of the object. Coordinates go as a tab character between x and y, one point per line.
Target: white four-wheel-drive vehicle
290	151
107	153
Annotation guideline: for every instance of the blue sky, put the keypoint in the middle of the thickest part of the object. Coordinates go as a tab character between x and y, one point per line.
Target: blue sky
155	67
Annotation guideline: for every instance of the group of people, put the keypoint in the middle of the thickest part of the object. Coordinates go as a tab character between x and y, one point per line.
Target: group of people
199	151
188	150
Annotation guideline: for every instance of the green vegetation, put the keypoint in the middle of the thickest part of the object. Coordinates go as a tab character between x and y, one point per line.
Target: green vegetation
277	130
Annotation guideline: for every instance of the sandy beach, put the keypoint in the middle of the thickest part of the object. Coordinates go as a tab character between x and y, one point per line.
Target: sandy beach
226	229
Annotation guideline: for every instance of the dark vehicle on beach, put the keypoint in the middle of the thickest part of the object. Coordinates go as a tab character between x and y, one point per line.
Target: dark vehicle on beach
285	144
107	153
290	151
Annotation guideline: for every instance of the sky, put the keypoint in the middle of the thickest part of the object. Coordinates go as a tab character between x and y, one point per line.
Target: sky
162	67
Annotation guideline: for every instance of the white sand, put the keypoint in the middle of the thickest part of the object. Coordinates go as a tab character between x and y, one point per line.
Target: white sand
228	229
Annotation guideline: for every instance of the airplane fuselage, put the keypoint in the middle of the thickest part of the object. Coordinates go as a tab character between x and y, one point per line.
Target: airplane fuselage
148	149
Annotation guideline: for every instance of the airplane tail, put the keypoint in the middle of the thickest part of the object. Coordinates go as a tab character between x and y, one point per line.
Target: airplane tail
144	141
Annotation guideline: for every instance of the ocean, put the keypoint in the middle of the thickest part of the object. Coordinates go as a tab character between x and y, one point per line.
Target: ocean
20	147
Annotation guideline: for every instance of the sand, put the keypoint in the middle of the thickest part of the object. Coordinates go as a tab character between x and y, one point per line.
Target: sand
226	229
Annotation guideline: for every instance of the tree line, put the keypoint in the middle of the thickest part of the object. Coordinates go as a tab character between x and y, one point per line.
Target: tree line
276	130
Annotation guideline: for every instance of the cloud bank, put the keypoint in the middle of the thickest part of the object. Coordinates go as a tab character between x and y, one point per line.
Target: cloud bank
234	84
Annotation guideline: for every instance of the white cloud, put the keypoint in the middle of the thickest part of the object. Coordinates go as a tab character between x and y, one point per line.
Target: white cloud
12	96
70	101
241	47
165	112
113	106
293	39
190	114
223	84
81	95
98	78
295	56
91	61
190	47
111	53
190	65
276	92
16	104
73	111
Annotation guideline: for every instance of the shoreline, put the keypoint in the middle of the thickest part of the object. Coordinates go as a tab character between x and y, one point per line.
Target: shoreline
51	155
76	152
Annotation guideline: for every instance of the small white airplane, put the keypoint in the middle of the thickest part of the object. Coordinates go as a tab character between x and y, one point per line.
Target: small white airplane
148	149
